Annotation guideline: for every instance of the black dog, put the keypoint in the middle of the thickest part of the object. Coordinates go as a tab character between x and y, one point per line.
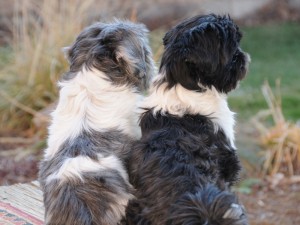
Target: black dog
186	160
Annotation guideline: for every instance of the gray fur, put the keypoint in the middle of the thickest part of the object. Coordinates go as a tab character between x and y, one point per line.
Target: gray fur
119	49
88	144
94	200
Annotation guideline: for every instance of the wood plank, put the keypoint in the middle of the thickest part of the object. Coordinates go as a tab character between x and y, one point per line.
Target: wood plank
26	197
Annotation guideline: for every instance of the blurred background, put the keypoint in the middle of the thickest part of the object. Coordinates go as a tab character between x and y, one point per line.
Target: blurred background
267	103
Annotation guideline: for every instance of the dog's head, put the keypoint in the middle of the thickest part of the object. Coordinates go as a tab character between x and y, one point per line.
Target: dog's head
118	49
204	52
208	206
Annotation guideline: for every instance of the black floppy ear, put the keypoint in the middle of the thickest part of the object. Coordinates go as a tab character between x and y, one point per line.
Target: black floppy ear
167	37
179	71
204	44
193	58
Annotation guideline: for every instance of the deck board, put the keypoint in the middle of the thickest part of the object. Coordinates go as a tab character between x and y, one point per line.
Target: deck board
25	197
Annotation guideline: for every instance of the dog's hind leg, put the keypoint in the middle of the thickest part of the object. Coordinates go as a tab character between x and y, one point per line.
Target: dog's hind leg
85	191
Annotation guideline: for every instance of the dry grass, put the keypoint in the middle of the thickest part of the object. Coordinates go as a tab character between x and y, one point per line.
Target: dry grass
280	139
40	30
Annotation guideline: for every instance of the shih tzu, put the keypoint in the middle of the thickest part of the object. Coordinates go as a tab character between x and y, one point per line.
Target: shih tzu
186	160
83	175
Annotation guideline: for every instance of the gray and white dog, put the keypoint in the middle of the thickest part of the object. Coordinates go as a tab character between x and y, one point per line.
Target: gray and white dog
83	174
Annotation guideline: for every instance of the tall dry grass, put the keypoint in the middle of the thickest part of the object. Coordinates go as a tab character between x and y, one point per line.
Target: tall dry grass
279	138
28	79
34	61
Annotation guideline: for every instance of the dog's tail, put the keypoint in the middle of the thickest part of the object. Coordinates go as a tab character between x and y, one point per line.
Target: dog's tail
208	205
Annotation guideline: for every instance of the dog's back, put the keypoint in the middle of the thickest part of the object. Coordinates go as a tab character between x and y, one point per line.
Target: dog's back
177	162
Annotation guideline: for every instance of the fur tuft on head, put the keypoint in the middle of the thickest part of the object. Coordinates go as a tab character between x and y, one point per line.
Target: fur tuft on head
120	50
203	52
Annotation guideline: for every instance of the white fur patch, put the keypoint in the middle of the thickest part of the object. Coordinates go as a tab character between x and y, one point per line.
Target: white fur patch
89	101
117	211
73	168
179	101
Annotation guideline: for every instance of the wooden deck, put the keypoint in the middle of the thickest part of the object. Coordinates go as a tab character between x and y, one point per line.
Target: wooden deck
21	199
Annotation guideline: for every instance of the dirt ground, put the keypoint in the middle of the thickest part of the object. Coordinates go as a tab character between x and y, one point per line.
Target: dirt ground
273	206
18	161
273	200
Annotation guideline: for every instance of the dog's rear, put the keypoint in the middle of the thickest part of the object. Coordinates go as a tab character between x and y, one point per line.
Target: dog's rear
208	205
83	173
181	159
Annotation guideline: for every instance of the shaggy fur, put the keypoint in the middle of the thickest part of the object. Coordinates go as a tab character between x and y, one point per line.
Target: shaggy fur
83	175
186	161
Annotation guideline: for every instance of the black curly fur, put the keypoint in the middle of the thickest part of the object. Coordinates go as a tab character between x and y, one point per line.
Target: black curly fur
184	165
176	156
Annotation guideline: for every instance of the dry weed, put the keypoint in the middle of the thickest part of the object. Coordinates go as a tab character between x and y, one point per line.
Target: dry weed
280	139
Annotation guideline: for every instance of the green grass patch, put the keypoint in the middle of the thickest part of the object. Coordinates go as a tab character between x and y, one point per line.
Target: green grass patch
275	54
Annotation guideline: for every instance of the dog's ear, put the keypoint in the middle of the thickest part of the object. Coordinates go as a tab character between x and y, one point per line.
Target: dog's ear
80	51
167	37
129	50
202	47
194	57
